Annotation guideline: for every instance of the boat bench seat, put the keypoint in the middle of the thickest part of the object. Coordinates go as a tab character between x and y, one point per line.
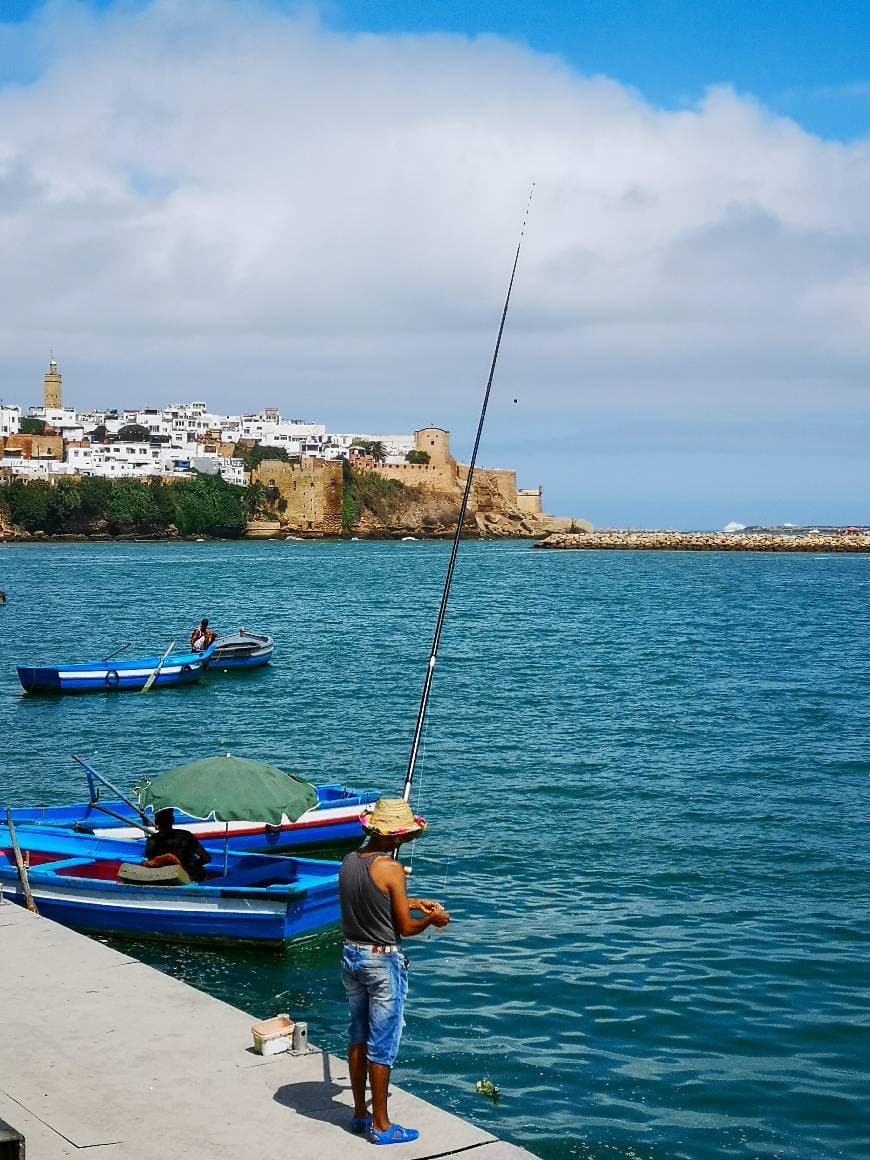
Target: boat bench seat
133	874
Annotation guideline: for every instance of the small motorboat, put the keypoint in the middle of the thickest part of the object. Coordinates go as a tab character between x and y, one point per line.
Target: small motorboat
241	650
97	884
113	673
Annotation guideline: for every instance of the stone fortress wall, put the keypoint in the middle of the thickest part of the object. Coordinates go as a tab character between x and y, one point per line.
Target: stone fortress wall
442	472
529	501
313	491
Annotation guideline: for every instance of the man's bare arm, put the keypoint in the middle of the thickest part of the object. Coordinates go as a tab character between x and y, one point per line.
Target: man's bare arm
390	877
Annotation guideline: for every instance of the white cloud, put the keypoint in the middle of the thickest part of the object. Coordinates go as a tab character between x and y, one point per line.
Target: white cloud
248	207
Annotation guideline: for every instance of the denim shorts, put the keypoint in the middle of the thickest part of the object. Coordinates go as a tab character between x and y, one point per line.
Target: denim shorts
376	986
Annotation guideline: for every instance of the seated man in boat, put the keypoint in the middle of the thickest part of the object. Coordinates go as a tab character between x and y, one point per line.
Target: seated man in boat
202	636
376	913
181	844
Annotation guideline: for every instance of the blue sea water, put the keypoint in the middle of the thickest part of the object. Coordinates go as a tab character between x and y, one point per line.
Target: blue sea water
647	778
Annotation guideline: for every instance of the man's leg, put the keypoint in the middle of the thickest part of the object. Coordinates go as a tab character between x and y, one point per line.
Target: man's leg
386	1020
356	1062
379	1078
358	1033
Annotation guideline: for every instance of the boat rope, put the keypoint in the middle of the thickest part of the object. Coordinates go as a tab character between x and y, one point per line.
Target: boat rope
445	595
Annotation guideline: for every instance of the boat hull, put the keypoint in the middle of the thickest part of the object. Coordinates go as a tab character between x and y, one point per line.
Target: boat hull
332	824
113	675
252	660
263	900
242	650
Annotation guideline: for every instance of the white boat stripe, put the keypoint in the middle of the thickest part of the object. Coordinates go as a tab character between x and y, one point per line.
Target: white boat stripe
127	901
216	829
101	674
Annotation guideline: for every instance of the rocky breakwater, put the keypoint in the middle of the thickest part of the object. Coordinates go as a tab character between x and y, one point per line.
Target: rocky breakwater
707	542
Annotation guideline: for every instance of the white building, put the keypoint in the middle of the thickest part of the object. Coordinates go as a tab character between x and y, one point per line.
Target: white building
186	435
137	460
10	419
395	446
230	469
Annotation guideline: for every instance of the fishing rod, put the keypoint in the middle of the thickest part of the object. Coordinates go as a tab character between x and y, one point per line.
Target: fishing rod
445	595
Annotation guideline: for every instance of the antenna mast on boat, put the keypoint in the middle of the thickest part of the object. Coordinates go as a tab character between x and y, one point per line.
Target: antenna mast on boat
442	611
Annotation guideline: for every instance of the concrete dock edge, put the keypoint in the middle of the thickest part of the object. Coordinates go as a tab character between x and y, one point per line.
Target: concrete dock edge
100	1052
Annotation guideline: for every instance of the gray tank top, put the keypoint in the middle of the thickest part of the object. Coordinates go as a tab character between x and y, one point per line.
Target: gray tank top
366	912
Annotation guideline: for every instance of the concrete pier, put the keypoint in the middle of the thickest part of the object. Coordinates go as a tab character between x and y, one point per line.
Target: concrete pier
101	1052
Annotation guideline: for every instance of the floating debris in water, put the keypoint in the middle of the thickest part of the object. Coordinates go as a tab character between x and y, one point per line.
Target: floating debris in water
485	1087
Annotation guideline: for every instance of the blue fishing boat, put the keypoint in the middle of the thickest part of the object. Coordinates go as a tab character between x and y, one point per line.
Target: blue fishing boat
94	884
113	673
332	823
242	650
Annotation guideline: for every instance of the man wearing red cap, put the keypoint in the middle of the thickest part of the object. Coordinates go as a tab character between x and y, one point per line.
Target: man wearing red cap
376	913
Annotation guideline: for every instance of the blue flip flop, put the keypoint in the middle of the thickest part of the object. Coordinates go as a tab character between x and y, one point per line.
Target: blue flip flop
360	1124
395	1134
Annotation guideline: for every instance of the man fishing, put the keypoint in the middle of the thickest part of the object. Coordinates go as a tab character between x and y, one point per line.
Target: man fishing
376	913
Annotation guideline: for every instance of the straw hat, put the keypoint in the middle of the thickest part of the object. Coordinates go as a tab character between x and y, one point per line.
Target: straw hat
392	818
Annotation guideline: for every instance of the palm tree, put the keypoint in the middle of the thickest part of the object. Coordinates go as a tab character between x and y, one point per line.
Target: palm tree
372	447
255	498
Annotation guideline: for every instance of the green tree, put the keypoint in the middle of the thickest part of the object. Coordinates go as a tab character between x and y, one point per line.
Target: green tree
133	433
96	496
205	505
417	457
349	512
28	502
31	426
161	501
208	505
252	457
372	447
64	507
131	508
255	498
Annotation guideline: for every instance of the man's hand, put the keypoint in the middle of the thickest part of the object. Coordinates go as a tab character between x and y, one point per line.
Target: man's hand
438	916
433	910
424	904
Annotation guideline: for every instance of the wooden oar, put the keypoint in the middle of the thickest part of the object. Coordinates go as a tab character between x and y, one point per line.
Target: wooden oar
153	676
19	862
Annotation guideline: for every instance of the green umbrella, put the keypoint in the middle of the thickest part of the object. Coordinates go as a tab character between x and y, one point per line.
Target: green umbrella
234	789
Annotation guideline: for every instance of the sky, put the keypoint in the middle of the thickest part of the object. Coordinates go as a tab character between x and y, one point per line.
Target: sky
316	207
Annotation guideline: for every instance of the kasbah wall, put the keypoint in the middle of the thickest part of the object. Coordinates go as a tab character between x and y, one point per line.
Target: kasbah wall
313	491
492	486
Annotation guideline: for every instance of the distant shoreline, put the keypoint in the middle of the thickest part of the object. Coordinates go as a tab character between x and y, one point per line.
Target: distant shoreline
641	541
858	542
308	537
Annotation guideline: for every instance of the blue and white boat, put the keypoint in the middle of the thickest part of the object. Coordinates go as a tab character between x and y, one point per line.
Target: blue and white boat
242	650
332	823
80	881
113	673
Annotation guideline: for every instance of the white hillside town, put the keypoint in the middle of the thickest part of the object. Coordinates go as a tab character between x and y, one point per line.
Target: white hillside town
181	439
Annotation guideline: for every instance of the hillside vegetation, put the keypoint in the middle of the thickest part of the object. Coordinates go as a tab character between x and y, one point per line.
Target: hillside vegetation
204	505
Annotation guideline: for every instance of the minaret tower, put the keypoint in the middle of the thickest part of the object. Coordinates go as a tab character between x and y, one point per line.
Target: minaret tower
51	385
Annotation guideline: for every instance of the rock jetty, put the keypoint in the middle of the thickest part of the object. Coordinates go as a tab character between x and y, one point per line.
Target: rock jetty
708	542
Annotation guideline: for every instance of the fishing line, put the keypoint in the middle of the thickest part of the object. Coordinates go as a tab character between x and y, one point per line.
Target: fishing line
451	565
